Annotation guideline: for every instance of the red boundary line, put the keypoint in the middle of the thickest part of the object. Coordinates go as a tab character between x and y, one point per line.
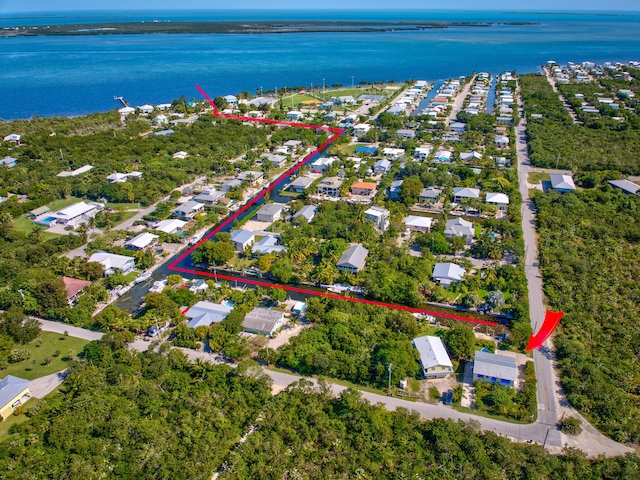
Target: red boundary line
337	132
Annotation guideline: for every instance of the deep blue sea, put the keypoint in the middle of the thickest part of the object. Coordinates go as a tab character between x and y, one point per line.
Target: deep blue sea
72	76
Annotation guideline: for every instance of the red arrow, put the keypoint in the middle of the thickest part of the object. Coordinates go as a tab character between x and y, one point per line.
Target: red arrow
551	321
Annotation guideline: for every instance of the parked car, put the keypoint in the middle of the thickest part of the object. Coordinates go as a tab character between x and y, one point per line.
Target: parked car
447	397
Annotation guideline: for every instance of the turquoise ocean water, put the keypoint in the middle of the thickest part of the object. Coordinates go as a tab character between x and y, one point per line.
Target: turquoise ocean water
72	76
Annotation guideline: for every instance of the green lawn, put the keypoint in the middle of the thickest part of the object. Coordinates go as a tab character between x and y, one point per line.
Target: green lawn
123	206
26	225
537	177
40	350
65	202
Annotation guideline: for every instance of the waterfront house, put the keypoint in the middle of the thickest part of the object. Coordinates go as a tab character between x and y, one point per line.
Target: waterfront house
124	111
252	177
459	227
268	244
230	185
209	197
330	186
434	360
270	212
188	209
323	164
204	314
489	367
353	259
142	241
74	288
146	109
111	262
14	392
170	227
241	239
300	184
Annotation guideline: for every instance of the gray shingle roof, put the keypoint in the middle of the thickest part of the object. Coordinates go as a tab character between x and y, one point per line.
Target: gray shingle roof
354	256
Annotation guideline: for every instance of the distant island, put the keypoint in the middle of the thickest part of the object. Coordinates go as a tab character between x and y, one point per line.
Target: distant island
128	28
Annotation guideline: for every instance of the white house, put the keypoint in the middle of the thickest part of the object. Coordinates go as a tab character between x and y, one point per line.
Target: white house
502	141
379	216
181	155
423	152
361	129
169	226
300	184
268	244
241	239
500	200
459	227
126	111
443	156
294	115
434	360
418	224
392	153
470	156
307	212
465	193
381	166
122	177
141	241
323	164
188	209
446	273
76	172
209	197
146	109
353	259
458	127
112	262
77	213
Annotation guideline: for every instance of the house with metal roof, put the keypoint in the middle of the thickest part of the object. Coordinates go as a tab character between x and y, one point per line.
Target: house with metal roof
562	183
626	186
241	239
300	184
277	161
459	227
9	162
252	177
465	193
458	127
446	273
330	186
141	241
263	321
307	212
381	166
14	391
353	259
489	367
434	360
423	151
470	156
170	227
209	197
323	164
77	213
416	223
429	195
76	172
502	141
188	209
231	184
112	262
394	190
361	129
268	244
203	314
392	153
379	216
270	212
443	156
500	200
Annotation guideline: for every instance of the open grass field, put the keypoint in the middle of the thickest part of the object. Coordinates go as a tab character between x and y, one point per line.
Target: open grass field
537	177
42	348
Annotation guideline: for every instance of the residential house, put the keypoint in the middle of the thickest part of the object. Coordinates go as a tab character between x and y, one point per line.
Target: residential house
124	111
418	224
406	134
429	195
470	156
625	185
353	259
181	155
76	214
307	212
434	360
146	109
363	188
465	193
252	177
188	209
74	288
443	156
14	392
160	119
500	200
122	177
502	141
230	185
270	212
292	145
112	262
423	152
489	367
294	115
199	286
141	241
300	184
209	197
459	227
263	321
379	216
169	227
562	183
446	273
381	167
277	161
394	190
9	162
241	239
361	129
268	244
397	110
76	172
231	99
204	314
458	127
330	186
323	164
392	153
36	212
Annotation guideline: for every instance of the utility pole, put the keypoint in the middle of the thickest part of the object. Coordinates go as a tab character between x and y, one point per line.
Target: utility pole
389	365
